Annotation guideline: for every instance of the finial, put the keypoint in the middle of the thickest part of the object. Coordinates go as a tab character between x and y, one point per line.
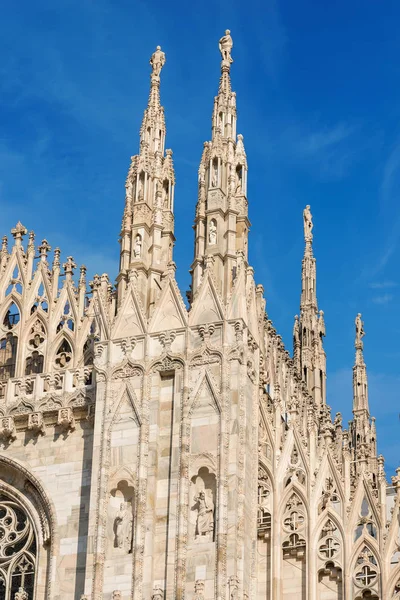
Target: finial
359	331
225	47
157	61
31	242
69	267
4	244
56	261
44	249
82	277
308	224
19	231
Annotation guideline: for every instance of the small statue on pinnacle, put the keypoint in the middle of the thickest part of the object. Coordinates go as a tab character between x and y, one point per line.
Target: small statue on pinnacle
157	61
308	224
225	46
359	329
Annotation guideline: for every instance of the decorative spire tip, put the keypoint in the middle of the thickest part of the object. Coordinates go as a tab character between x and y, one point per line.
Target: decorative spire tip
359	332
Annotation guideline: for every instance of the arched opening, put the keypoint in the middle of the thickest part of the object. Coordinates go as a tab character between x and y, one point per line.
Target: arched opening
12	316
8	356
63	355
18	550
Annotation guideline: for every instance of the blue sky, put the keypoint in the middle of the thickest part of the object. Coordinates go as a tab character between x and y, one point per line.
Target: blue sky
318	94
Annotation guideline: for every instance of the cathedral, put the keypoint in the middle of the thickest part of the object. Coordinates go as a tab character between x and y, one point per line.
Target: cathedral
153	448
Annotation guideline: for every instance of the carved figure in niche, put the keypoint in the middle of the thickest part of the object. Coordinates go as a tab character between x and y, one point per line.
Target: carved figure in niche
116	595
140	192
238	180
308	224
212	234
158	594
199	590
138	246
205	514
225	46
359	328
157	60
214	178
123	528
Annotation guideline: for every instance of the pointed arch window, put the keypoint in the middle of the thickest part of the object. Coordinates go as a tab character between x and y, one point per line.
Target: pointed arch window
8	356
18	551
64	355
12	316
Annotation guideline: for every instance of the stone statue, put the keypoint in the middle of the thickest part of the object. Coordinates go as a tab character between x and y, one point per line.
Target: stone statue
214	179
138	246
296	330
157	61
212	234
21	594
157	594
359	328
116	595
199	590
308	224
123	528
205	515
225	46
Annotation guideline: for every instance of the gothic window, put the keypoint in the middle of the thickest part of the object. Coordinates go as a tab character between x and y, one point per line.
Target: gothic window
64	355
264	504
34	363
366	523
41	300
8	356
366	574
88	352
18	552
15	284
11	317
36	335
294	522
66	319
329	543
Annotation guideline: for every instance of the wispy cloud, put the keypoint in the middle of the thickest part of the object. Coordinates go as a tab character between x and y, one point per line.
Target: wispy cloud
383	285
384	299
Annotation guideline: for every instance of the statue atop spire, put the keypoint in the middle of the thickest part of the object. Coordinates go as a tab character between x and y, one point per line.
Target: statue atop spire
359	330
308	224
225	47
157	61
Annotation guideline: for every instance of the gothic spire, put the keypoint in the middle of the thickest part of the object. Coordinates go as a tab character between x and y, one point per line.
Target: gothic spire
308	347
221	223
147	235
360	384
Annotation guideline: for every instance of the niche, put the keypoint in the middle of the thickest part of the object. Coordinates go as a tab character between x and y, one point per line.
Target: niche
121	511
202	506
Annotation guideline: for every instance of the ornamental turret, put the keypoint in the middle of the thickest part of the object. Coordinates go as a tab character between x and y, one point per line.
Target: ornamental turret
147	232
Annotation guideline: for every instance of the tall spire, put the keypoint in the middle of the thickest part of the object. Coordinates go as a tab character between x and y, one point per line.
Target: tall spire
309	329
360	384
147	232
221	222
362	428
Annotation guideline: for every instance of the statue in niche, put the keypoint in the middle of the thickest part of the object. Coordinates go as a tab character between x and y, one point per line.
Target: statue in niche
205	514
212	234
157	60
199	590
238	181
225	46
214	178
165	194
116	595
308	224
158	594
138	246
359	328
123	528
140	192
